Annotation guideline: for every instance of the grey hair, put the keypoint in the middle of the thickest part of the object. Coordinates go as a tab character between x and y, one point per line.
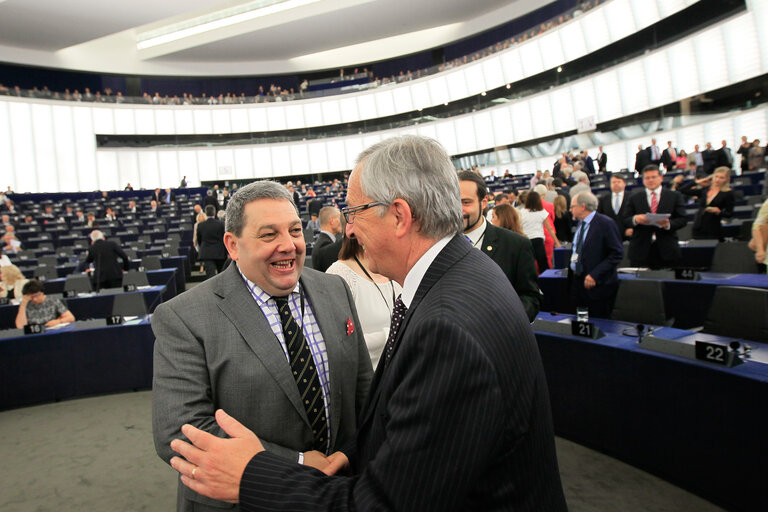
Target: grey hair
586	199
96	235
580	176
235	213
419	171
541	189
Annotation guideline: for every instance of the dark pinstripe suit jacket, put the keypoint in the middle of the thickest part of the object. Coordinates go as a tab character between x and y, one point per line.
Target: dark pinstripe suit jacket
459	420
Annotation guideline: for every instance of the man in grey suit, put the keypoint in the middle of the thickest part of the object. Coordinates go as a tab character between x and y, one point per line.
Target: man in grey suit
458	417
226	344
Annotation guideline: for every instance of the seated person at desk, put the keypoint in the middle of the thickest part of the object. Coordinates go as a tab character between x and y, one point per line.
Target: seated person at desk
36	308
716	200
12	282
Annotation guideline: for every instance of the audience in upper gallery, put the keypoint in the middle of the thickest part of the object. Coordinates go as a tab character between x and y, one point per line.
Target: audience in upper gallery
36	308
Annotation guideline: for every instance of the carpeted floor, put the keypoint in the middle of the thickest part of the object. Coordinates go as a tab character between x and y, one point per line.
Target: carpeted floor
97	454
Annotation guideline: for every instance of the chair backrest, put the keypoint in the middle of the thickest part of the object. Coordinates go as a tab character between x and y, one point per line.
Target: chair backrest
140	246
751	321
45	273
640	301
135	277
151	263
48	261
129	304
174	237
170	250
734	257
131	253
78	283
145	238
686	232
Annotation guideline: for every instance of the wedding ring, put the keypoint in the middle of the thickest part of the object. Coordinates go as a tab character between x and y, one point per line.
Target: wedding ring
193	473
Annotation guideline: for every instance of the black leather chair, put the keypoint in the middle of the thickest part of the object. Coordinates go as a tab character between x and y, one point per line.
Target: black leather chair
738	312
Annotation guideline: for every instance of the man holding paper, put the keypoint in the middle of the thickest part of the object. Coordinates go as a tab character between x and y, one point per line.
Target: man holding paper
654	214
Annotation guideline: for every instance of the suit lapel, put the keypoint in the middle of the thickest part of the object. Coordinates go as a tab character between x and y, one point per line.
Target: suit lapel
241	309
490	240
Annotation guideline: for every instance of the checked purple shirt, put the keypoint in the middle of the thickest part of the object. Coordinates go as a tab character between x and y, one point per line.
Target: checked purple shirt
309	326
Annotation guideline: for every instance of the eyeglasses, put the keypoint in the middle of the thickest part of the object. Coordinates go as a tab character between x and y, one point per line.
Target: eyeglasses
349	213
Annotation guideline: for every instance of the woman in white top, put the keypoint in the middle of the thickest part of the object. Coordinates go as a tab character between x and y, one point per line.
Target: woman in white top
374	295
534	220
12	281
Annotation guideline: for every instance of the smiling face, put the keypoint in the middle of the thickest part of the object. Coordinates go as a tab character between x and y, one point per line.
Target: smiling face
471	207
270	250
371	231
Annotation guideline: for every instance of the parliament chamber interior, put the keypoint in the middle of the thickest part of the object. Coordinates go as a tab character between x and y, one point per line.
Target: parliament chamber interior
673	381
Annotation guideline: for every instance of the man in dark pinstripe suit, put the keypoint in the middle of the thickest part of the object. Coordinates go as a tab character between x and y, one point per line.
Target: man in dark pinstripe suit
458	417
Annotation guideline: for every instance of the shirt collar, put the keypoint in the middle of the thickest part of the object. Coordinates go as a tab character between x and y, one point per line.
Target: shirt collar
416	274
589	218
477	233
260	295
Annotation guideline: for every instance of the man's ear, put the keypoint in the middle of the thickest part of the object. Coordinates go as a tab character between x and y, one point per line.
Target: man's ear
403	216
230	242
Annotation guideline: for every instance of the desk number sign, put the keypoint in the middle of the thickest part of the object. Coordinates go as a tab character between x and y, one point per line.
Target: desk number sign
712	352
583	329
685	274
34	329
129	288
114	320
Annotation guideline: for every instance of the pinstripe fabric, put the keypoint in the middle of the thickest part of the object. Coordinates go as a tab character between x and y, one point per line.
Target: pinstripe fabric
459	419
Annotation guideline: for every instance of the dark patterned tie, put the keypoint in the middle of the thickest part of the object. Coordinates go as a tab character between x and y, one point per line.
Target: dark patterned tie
305	373
398	313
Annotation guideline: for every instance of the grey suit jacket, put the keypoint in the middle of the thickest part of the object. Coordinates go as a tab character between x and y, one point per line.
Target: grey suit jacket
214	349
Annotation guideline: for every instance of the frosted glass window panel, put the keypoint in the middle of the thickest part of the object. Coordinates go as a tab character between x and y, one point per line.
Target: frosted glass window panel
682	58
184	121
331	112
646	13
420	95
659	78
562	110
493	72
66	160
168	163
634	90
225	164
294	116
541	114
428	130
188	165
145	121
221	121
446	135
313	114
318	156
438	90
465	134
337	155
276	118
299	159
720	129
457	85
206	164
742	48
366	106
607	89
402	97
371	139
125	123
22	148
484	130
349	112
584	99
164	122
621	23
108	171
281	160
596	33
512	66
521	121
103	121
530	56
45	159
551	49
753	125
262	162
243	163
572	38
526	167
6	157
85	148
149	172
128	165
473	74
257	119
710	57
502	126
408	130
669	7
239	117
203	121
385	103
689	137
353	147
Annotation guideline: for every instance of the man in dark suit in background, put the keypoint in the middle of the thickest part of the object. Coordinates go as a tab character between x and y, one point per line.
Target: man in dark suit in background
458	415
614	204
669	157
107	272
597	252
330	227
654	153
654	244
602	160
210	240
724	156
511	251
709	156
642	158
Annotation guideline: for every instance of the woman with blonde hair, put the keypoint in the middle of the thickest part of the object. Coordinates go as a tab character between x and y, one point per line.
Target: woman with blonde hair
201	217
563	220
12	281
506	216
716	200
